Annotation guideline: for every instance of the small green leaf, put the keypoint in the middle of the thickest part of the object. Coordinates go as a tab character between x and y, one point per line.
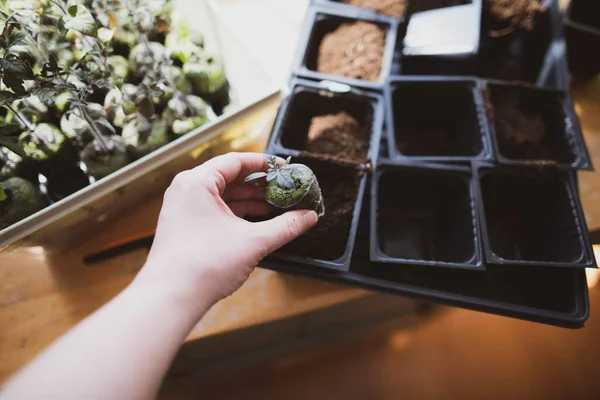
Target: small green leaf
105	34
3	195
287	161
11	129
15	65
256	175
46	95
14	82
13	145
285	180
80	19
6	96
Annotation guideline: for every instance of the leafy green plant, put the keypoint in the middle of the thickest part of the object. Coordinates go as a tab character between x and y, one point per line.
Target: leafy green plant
290	186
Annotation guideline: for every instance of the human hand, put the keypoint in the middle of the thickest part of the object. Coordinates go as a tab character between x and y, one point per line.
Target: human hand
202	244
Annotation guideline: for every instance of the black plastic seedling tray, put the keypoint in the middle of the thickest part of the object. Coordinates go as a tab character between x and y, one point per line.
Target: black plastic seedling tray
535	126
447	210
320	21
532	216
436	119
555	296
424	215
308	99
334	178
582	23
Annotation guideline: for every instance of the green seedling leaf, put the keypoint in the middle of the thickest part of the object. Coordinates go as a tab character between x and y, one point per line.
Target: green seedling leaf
79	19
271	175
15	83
10	130
3	195
11	143
46	95
256	175
105	34
6	96
285	180
15	65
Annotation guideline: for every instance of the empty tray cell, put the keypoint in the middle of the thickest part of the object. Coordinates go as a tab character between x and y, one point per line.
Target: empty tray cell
435	119
347	47
585	12
415	6
425	216
531	217
531	124
339	125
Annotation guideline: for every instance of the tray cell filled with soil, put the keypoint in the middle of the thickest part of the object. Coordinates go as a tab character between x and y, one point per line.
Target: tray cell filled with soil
334	125
532	217
329	244
533	125
436	120
424	215
348	47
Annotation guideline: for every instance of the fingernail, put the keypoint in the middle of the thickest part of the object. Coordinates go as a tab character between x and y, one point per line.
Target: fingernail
312	217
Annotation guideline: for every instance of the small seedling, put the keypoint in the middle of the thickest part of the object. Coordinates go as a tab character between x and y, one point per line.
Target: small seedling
291	186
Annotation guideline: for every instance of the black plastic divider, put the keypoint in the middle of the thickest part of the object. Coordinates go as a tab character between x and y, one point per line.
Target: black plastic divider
424	215
436	119
343	188
532	216
321	20
534	126
308	99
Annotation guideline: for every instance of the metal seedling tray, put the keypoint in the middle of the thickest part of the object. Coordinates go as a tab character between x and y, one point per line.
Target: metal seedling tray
251	92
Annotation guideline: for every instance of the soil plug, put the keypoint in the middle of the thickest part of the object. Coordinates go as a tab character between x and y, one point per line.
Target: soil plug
18	200
291	186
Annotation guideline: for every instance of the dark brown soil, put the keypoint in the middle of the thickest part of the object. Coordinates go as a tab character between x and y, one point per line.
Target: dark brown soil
393	8
353	50
515	13
520	129
337	134
329	238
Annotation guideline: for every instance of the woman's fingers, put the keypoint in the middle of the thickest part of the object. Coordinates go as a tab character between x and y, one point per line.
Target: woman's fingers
249	207
232	167
243	191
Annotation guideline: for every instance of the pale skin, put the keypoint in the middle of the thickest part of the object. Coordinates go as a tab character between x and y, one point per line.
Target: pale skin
203	252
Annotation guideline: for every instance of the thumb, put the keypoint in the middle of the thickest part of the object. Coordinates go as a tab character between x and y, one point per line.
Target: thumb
286	227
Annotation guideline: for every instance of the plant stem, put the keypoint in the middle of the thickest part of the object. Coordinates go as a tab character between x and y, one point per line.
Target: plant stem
57	3
20	117
97	134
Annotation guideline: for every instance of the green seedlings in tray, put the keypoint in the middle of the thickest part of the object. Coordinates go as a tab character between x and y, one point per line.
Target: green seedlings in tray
185	113
104	158
18	199
291	186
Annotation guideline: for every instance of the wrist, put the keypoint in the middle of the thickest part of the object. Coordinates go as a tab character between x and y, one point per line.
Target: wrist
175	292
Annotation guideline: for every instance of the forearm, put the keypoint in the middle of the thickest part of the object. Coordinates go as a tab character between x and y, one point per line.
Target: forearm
120	352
